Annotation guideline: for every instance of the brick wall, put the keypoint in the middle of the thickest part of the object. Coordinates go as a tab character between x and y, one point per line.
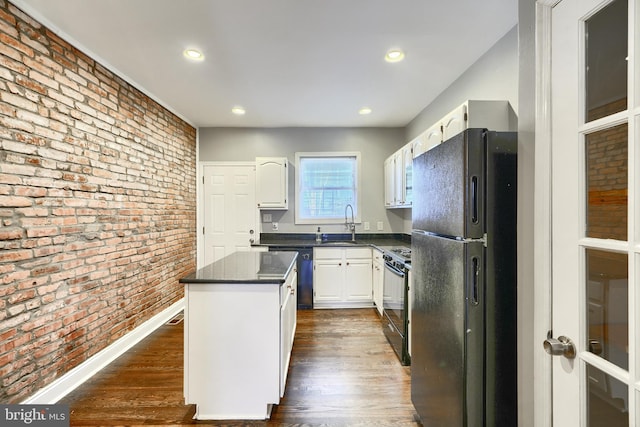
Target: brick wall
97	206
607	161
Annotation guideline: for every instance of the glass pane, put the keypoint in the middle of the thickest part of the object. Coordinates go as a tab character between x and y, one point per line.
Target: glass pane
327	186
408	175
606	167
606	55
607	400
607	306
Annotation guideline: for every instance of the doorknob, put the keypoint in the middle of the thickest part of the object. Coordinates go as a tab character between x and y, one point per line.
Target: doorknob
562	346
595	346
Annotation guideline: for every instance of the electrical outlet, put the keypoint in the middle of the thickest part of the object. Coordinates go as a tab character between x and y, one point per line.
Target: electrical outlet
267	218
380	226
274	226
367	226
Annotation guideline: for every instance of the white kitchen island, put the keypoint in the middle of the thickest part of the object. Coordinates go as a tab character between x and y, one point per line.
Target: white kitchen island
240	320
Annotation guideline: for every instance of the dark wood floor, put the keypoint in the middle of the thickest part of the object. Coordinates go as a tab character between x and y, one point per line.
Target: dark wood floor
343	373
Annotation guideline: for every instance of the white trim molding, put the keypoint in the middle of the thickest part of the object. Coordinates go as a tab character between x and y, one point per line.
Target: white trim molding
543	393
81	373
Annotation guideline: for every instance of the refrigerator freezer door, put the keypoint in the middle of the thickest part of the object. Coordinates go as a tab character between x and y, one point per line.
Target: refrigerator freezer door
447	387
449	187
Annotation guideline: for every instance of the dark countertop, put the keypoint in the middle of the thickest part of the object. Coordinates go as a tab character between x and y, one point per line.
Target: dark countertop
247	268
291	240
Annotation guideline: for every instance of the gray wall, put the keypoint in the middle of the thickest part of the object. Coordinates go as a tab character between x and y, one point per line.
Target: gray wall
374	144
492	77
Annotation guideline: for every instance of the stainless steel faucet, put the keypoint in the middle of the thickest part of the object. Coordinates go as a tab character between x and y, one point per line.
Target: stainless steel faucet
351	226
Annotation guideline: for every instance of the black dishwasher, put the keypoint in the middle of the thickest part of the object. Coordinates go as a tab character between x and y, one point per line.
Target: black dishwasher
305	274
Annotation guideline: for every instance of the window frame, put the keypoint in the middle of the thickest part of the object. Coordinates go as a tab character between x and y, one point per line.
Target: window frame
358	186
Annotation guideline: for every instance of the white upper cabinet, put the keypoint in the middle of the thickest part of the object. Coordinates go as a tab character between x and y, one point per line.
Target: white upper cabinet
492	115
397	178
427	140
272	182
407	175
389	182
454	122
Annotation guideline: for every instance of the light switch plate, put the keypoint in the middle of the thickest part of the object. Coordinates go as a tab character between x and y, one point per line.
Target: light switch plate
267	218
380	226
367	226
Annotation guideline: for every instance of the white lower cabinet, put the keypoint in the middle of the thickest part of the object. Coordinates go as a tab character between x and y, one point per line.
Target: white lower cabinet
342	277
238	342
378	277
288	323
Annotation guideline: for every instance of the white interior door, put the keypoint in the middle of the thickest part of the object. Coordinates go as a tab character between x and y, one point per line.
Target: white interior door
595	220
230	211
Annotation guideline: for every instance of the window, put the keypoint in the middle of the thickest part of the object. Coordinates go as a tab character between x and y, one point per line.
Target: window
325	184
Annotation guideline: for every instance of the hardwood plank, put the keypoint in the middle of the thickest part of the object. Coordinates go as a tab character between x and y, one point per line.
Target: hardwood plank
342	373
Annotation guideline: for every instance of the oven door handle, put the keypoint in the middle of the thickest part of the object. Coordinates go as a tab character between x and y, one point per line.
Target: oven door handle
394	270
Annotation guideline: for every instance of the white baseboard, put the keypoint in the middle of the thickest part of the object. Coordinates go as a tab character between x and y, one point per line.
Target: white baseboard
81	373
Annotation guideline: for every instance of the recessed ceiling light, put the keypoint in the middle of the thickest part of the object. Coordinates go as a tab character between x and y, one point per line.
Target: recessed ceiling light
238	110
194	54
364	111
394	55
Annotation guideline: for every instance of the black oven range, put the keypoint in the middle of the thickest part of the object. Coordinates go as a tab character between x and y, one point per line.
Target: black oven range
395	300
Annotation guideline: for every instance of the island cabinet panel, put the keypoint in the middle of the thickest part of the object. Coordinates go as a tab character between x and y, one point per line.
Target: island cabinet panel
233	350
239	335
288	324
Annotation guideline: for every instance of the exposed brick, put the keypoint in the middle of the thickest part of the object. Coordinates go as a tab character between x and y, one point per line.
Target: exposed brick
11	233
97	206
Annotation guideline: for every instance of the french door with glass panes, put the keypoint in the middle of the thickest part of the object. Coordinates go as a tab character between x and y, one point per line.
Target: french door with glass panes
595	213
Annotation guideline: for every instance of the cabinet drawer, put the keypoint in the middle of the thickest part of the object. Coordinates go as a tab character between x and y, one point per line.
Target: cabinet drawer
351	253
328	253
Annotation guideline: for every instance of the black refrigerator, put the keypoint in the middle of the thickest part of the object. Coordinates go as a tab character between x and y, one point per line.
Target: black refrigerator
463	250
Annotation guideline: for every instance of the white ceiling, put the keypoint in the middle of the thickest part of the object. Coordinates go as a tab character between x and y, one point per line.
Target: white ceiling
287	62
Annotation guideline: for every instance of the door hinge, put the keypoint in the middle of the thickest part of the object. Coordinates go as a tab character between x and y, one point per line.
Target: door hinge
203	179
202	230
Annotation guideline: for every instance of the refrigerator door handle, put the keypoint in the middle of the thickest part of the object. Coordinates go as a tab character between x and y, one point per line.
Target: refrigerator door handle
475	279
474	200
